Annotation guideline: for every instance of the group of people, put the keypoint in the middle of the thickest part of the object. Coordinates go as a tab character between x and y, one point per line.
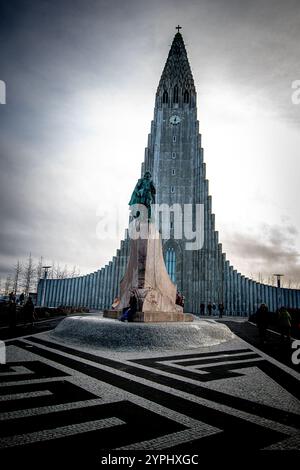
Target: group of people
284	322
212	309
27	308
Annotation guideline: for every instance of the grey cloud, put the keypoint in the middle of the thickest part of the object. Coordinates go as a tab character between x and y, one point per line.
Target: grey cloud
272	249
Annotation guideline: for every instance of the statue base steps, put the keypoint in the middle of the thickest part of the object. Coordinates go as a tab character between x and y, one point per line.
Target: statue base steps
151	317
93	332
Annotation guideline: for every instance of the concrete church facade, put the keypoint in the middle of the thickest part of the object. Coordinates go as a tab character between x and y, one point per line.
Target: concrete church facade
174	157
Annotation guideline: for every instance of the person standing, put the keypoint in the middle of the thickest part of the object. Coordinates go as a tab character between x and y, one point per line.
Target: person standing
262	320
284	323
209	308
21	298
221	310
28	310
202	309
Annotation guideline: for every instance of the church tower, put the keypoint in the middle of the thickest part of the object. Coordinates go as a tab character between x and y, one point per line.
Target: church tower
175	158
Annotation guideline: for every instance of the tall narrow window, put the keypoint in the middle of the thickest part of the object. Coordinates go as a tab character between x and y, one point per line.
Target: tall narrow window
173	172
165	97
175	94
172	189
174	138
171	263
186	97
173	155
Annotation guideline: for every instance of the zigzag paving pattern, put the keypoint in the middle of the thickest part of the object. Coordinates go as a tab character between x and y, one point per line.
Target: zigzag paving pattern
60	398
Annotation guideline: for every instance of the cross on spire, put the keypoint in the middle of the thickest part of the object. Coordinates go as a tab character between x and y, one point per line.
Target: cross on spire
178	28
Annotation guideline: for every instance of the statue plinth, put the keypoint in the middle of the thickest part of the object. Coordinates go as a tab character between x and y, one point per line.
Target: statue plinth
146	275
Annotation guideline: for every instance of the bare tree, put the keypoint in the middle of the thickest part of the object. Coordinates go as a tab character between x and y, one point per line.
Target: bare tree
74	272
38	272
17	274
57	271
28	275
8	284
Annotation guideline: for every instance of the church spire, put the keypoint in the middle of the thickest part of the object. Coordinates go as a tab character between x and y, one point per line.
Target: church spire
176	84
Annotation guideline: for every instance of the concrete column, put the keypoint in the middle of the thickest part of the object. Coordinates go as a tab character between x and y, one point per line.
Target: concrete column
83	291
63	291
78	288
268	297
113	279
290	298
91	291
231	290
243	296
64	286
235	290
94	289
49	288
79	291
68	291
54	293
105	286
47	291
71	295
51	293
246	304
294	299
101	283
239	293
74	292
226	286
90	288
57	293
108	293
256	295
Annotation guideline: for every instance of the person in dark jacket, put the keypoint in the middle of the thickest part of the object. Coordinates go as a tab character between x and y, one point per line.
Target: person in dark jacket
129	312
209	308
28	310
262	320
21	298
221	310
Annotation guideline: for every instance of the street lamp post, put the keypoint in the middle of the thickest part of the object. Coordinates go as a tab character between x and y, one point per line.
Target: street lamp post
279	297
45	268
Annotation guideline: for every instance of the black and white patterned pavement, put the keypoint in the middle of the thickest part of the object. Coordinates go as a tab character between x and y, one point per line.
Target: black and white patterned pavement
59	399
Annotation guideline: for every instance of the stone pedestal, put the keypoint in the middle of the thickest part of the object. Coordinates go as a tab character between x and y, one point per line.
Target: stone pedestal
147	276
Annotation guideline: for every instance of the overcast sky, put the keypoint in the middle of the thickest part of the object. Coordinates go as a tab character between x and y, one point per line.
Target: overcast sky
81	78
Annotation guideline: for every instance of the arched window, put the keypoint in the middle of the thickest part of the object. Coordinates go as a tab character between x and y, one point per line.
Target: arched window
171	263
186	97
165	97
175	94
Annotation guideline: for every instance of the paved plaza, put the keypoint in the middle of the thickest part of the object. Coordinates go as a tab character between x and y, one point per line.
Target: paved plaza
61	398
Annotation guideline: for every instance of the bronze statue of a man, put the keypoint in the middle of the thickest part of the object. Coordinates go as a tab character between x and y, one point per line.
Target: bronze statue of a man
144	193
